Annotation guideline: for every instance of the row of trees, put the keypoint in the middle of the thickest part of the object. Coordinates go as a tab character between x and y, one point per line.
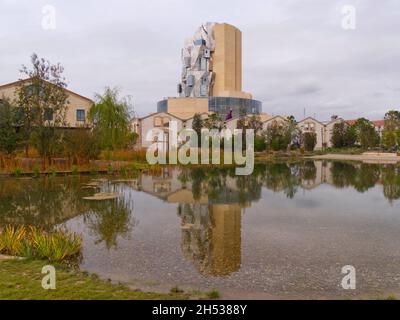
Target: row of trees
363	133
287	135
277	136
36	118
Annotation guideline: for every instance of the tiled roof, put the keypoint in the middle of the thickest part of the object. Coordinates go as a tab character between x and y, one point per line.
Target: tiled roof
376	123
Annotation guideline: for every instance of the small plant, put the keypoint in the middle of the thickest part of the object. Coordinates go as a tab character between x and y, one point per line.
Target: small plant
123	171
11	240
110	169
94	170
213	294
52	171
56	246
75	170
17	171
176	290
36	171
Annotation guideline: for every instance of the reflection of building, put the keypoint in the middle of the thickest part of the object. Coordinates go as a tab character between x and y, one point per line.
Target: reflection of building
226	239
210	220
211	237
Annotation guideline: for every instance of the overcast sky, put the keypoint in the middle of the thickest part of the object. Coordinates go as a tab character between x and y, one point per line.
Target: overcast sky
296	53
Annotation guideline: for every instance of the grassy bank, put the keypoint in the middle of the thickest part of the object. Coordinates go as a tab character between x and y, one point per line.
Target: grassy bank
21	279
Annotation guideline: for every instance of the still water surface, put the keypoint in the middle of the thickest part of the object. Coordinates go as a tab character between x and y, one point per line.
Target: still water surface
285	231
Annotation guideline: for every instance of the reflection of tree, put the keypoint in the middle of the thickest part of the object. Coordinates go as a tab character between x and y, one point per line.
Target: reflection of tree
249	188
197	176
109	219
391	182
280	177
309	171
367	175
42	202
361	176
343	174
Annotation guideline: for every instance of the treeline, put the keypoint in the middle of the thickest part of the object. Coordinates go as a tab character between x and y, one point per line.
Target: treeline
363	134
36	118
277	136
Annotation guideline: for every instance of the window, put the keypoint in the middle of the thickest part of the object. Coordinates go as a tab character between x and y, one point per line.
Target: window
157	121
35	89
48	114
166	121
80	115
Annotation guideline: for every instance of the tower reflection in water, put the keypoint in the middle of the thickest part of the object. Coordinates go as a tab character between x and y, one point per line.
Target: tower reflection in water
210	205
211	237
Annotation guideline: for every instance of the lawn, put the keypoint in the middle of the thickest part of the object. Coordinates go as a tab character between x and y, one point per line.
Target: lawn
21	279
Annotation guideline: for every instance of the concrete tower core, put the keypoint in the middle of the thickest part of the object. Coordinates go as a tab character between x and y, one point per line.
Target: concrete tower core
211	78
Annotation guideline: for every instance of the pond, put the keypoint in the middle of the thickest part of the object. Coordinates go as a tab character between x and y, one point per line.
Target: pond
286	231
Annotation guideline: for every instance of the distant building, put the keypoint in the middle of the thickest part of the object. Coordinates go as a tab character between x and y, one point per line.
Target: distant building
77	108
322	130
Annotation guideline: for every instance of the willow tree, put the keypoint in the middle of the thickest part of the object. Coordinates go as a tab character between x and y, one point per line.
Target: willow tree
111	119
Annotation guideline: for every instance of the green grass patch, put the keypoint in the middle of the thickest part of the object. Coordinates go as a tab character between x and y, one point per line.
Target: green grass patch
213	294
21	279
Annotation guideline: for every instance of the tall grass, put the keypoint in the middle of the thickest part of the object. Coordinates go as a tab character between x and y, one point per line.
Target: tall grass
124	155
11	239
32	242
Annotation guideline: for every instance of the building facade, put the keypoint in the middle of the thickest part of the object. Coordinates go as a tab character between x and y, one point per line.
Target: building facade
77	108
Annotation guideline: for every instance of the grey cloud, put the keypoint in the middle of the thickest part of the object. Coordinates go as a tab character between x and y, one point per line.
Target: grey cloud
295	53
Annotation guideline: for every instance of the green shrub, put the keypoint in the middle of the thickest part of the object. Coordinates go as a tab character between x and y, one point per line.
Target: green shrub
52	171
94	170
123	171
17	172
309	140
57	246
176	290
36	171
75	170
110	169
213	294
11	240
259	144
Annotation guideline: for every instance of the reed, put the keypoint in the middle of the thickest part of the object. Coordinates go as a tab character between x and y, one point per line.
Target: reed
11	239
33	242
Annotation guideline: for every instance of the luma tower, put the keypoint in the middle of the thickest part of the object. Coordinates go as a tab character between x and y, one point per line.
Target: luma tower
211	77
